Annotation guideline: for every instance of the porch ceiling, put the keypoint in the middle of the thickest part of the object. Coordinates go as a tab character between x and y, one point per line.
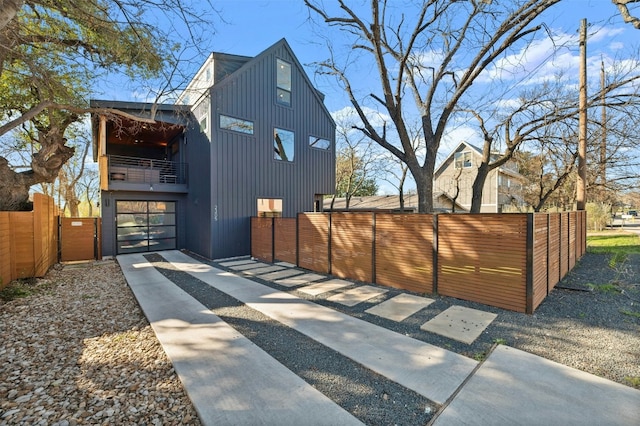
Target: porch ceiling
126	131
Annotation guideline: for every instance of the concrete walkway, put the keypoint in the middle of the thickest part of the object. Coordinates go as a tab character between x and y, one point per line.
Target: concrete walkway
232	381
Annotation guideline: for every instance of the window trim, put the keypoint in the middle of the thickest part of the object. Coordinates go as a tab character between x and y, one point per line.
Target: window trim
280	160
318	138
283	88
253	125
463	163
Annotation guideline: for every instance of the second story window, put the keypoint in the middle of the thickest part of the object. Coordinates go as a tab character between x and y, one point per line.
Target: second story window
462	160
236	124
319	143
283	71
283	143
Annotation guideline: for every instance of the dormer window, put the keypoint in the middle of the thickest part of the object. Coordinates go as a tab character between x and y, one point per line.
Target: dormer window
283	91
462	159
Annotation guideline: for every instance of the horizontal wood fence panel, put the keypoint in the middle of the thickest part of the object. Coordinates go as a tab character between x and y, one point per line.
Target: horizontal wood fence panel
262	238
540	258
554	249
511	261
23	262
404	251
483	258
285	239
313	241
45	225
78	239
5	250
352	246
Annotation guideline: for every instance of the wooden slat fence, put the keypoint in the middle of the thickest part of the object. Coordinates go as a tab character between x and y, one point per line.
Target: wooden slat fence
314	231
285	239
483	258
510	261
352	246
404	247
262	238
28	241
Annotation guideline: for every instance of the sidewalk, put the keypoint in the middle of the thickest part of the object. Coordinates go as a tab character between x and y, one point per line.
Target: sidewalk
231	381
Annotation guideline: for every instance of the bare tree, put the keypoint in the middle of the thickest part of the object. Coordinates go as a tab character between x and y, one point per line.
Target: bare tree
432	54
627	15
357	163
395	171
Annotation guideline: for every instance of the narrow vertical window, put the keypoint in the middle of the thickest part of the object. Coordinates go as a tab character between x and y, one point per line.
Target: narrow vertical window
283	72
283	145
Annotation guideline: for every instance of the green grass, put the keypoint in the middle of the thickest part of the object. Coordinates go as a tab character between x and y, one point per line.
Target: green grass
633	381
23	287
630	313
617	244
608	288
16	290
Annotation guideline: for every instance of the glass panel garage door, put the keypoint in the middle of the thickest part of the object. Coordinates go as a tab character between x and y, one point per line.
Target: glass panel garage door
143	226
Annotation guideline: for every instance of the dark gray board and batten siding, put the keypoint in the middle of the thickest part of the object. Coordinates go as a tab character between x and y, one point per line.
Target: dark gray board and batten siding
242	166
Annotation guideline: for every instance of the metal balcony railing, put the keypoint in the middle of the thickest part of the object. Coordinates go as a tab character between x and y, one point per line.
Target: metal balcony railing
146	170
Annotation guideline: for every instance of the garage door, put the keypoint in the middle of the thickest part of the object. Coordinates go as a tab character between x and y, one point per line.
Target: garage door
144	226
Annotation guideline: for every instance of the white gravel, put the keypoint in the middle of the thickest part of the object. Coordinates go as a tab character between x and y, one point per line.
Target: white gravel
81	352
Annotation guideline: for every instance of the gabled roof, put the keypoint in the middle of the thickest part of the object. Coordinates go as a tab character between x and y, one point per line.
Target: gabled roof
282	43
464	146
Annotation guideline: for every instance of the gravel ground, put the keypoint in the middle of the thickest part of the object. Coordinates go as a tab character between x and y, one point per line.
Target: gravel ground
80	351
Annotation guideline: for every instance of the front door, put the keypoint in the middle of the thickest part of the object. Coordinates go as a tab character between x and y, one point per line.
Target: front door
143	226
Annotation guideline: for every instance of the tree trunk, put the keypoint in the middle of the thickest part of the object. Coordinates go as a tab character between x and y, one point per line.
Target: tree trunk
478	186
45	166
8	10
14	188
424	188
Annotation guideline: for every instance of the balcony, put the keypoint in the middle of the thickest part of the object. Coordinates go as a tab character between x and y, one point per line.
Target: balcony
146	174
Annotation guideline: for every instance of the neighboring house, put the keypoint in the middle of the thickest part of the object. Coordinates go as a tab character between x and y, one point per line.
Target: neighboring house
248	137
390	203
455	176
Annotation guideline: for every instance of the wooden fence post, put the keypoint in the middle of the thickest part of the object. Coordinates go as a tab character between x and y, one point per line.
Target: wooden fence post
529	263
434	253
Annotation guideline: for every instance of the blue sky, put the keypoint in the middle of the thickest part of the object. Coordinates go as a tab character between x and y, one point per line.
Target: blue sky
253	25
250	26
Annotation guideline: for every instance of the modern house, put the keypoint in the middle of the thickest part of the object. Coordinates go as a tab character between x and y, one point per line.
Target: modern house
249	136
456	174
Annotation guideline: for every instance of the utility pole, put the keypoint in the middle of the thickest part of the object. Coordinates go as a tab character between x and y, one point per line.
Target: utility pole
581	184
603	142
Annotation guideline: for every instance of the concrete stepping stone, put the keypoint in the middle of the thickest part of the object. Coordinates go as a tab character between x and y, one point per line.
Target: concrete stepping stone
286	264
459	323
299	280
357	295
400	307
230	263
252	265
324	287
285	273
259	271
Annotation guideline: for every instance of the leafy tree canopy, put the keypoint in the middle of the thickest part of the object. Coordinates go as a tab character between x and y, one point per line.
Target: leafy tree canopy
51	52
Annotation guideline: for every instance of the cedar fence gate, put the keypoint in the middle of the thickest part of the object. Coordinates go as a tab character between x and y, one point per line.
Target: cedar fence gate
31	242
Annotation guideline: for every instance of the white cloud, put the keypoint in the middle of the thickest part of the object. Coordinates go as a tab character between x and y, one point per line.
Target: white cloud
348	114
616	45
